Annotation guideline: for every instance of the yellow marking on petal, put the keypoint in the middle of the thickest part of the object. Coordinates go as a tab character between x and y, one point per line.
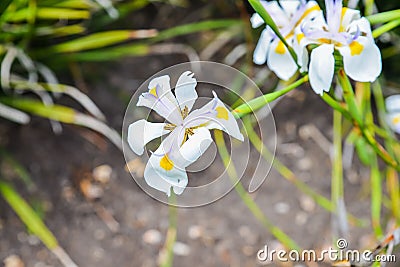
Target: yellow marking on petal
222	113
300	37
280	48
396	120
307	12
356	48
341	28
325	41
153	91
166	163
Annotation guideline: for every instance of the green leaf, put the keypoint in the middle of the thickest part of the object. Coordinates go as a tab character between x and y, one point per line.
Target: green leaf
28	215
47	13
3	6
113	53
261	101
195	27
54	112
99	40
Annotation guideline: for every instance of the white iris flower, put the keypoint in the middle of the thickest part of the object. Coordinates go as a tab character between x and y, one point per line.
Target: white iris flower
287	15
188	131
344	31
393	109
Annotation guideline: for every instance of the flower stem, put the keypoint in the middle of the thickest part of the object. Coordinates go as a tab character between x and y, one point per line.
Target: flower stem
385	28
167	258
247	200
384	16
337	175
348	95
376	197
261	101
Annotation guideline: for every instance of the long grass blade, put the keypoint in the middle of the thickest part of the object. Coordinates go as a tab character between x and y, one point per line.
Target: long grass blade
34	223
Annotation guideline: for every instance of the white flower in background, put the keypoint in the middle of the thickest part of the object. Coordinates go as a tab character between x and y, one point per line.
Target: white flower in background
344	31
287	15
189	135
393	115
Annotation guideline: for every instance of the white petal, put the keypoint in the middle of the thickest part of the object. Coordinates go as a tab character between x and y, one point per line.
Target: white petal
290	7
214	115
280	61
256	20
362	60
162	81
163	170
261	51
322	68
349	15
185	90
278	14
141	132
393	103
160	179
160	99
193	148
393	120
361	25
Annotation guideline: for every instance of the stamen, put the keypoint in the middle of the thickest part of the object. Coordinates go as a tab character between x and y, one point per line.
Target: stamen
170	127
185	112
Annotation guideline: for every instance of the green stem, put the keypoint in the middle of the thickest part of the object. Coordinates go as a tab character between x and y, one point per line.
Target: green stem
384	16
247	200
348	95
392	176
170	240
261	101
337	173
336	106
376	197
385	28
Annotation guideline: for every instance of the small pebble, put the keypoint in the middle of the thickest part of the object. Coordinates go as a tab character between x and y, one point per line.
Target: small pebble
304	164
247	234
181	249
152	237
248	251
102	173
307	203
282	208
13	261
22	237
99	234
98	253
89	190
301	218
195	231
33	240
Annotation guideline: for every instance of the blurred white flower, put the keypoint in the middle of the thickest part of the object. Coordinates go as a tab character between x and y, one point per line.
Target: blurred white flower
344	31
189	135
393	112
287	15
